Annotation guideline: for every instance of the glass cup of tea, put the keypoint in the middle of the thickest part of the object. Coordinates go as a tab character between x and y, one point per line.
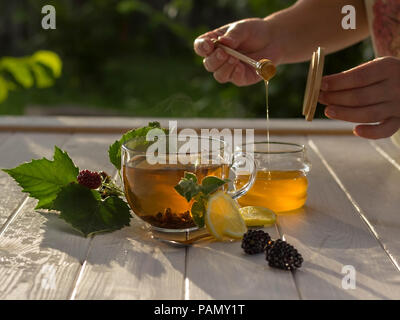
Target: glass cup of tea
281	180
149	177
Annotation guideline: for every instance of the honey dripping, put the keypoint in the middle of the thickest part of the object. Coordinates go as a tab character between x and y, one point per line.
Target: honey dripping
266	69
267	113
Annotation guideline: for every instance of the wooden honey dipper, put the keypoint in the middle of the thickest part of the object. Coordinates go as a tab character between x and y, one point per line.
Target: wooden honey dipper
264	67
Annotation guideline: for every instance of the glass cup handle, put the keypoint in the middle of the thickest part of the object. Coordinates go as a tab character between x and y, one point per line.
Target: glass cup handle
240	159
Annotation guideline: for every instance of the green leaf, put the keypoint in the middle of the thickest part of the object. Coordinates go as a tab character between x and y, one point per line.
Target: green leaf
3	89
211	184
50	60
198	211
86	212
114	151
190	176
43	179
187	187
19	69
43	79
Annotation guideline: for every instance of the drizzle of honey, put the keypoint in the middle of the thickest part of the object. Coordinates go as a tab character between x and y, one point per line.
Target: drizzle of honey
279	191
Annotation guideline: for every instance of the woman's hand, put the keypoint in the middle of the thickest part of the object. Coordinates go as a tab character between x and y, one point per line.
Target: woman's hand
252	37
369	94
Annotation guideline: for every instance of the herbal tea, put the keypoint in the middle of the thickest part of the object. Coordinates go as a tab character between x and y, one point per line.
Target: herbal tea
150	191
277	190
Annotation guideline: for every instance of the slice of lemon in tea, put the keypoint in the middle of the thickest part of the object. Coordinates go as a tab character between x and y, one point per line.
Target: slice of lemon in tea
223	217
257	216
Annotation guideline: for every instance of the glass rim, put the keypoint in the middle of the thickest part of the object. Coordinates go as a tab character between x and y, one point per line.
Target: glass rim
225	144
300	147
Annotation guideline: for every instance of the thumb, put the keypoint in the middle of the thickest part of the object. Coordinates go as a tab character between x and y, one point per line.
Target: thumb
234	36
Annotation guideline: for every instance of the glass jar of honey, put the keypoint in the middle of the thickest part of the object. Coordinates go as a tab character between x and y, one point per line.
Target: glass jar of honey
281	180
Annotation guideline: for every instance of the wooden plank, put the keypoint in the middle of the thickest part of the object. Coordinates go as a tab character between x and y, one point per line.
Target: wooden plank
372	182
123	124
41	254
15	150
128	264
4	136
330	233
387	149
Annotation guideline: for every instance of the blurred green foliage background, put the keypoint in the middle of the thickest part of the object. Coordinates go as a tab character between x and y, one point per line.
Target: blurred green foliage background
135	57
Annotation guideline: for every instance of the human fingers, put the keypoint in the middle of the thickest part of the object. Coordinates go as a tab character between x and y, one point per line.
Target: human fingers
235	35
360	76
215	60
203	45
357	97
368	114
244	75
383	130
224	73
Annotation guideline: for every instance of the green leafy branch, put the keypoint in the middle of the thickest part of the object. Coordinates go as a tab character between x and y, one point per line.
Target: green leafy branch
55	184
39	70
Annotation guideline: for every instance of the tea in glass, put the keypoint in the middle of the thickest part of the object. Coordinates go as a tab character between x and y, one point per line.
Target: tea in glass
281	182
149	185
149	189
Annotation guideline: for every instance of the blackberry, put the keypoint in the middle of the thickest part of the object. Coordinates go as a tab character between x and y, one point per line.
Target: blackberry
254	241
89	179
282	255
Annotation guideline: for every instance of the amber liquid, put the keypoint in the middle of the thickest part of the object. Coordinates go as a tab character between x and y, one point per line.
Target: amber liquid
150	192
279	191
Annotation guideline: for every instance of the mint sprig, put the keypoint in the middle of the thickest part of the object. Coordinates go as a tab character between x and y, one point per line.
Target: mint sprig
189	188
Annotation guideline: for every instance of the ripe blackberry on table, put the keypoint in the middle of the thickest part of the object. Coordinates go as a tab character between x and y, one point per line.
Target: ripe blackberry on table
89	179
254	241
282	255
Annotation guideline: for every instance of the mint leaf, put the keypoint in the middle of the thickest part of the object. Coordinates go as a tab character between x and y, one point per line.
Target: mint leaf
211	184
43	179
187	187
190	176
198	210
114	151
86	212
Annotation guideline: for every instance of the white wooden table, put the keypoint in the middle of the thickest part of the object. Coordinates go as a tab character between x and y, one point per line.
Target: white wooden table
352	217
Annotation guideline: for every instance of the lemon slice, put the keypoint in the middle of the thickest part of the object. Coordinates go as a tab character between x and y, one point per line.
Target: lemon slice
223	217
257	216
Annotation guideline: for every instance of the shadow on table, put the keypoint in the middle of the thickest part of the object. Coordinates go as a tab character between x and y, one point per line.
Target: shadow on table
103	250
323	289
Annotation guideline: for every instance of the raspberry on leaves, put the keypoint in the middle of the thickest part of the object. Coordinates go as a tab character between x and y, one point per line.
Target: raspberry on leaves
89	179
